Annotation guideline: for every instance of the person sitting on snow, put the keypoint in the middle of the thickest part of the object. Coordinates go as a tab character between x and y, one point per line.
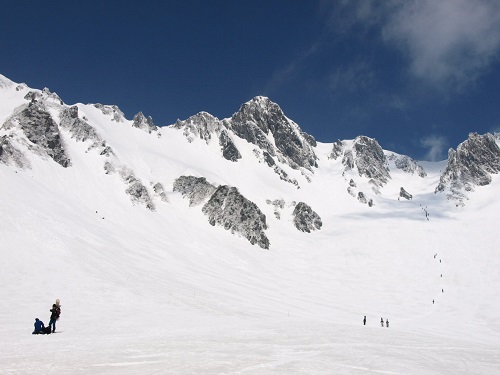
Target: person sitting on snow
39	327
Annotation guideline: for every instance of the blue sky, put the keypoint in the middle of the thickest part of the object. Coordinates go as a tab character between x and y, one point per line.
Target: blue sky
416	75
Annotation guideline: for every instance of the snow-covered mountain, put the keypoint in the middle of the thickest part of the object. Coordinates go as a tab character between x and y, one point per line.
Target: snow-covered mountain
239	228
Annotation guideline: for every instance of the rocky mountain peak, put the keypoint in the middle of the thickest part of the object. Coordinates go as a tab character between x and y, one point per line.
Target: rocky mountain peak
141	122
470	165
263	123
370	160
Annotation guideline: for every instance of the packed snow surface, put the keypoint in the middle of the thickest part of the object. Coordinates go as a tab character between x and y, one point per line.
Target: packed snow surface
164	292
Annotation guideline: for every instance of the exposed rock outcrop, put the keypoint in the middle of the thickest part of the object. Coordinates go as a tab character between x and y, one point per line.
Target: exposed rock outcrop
404	194
228	208
263	123
370	160
141	122
160	192
196	189
470	165
138	192
337	150
305	219
10	155
407	164
82	131
111	110
205	126
41	130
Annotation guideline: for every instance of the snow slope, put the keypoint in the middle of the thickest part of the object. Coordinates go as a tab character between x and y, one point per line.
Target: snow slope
164	292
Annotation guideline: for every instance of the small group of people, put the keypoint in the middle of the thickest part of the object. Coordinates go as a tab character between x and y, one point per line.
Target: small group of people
381	322
55	312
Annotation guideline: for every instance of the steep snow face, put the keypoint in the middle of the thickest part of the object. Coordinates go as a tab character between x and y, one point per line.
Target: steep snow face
5	83
263	123
471	165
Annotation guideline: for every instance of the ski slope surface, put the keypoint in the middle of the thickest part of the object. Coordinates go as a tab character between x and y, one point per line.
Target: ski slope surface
164	292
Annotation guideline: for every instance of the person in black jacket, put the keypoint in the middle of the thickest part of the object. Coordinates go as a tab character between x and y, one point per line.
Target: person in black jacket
55	312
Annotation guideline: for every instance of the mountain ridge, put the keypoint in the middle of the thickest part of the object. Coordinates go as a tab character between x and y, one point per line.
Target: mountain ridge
259	131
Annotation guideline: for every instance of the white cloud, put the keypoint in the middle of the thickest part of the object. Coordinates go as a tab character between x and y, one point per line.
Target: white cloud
449	42
436	146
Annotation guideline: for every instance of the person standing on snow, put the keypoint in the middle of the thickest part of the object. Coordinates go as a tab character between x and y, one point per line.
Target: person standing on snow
382	322
56	311
364	321
387	323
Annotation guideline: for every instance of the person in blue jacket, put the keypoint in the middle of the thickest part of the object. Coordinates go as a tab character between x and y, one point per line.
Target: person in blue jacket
39	327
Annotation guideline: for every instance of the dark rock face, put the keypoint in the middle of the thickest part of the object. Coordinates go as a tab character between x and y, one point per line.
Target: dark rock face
160	192
362	198
337	150
229	150
111	110
348	160
197	189
309	138
404	194
138	192
79	129
370	160
227	207
141	122
259	118
269	160
41	129
470	165
44	95
202	125
408	165
305	219
10	155
205	126
82	131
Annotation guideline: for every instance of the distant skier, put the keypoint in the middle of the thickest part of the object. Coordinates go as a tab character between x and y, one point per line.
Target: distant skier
364	321
387	323
433	302
382	322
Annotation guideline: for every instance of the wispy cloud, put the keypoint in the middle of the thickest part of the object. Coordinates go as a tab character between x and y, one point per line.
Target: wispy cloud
351	78
287	73
436	147
449	43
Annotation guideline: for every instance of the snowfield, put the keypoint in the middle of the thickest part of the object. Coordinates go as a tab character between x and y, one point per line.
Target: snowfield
164	292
